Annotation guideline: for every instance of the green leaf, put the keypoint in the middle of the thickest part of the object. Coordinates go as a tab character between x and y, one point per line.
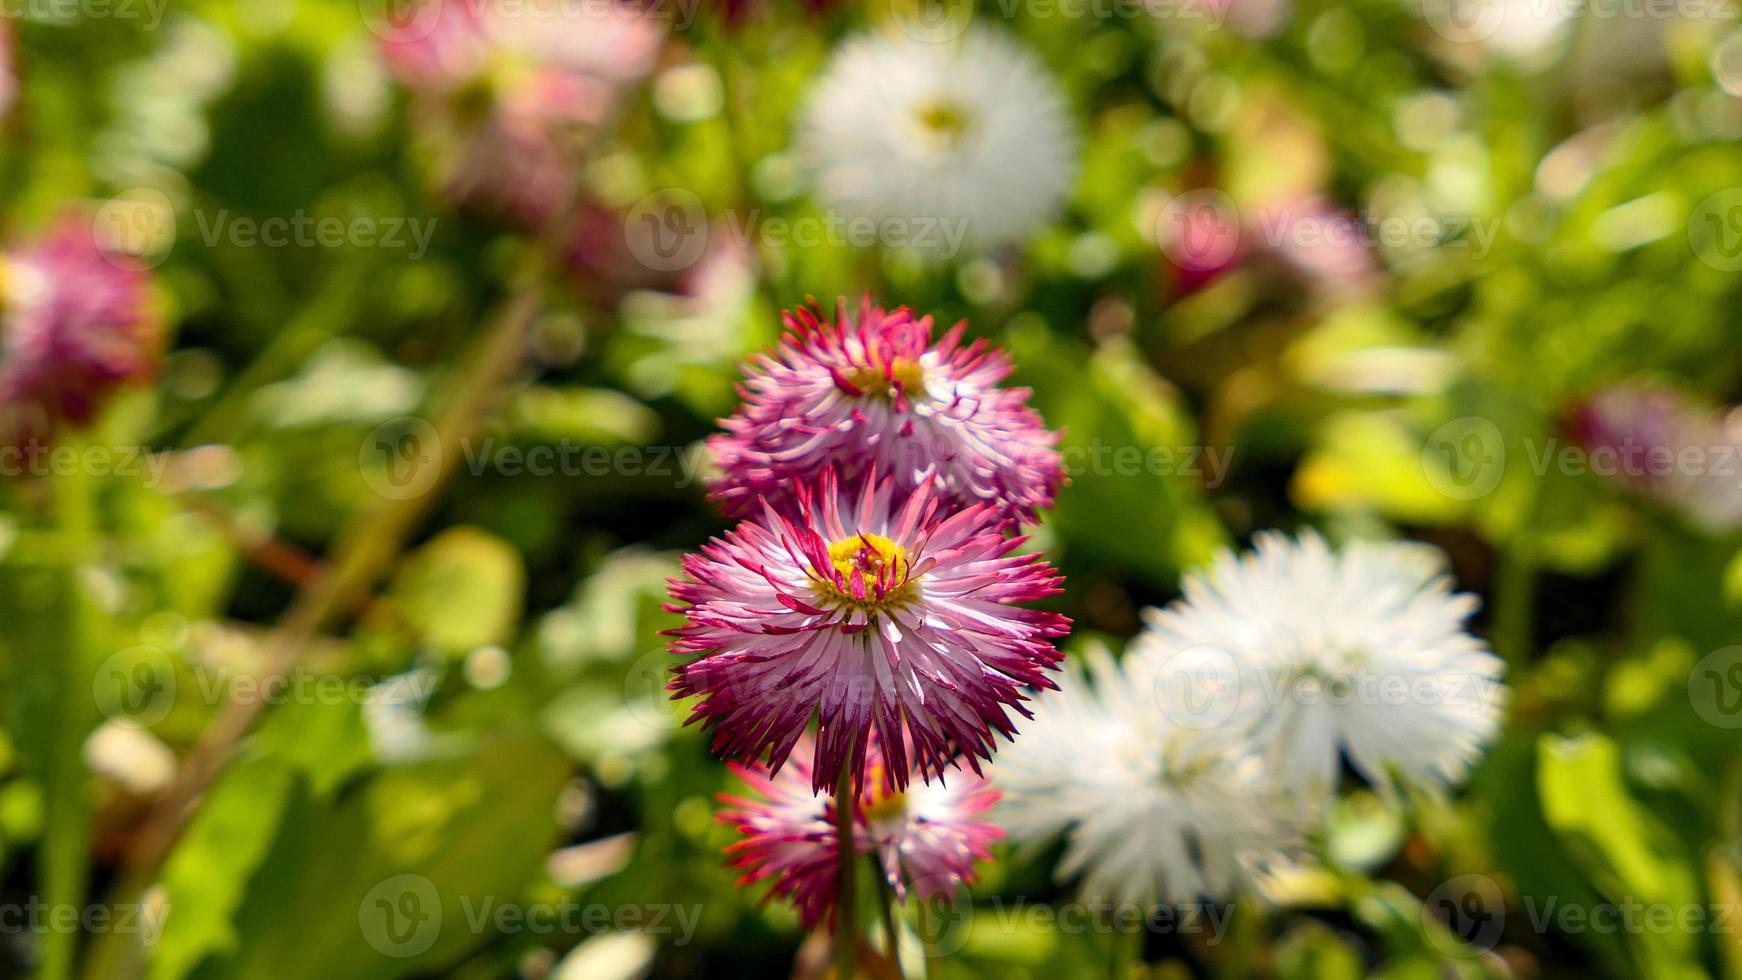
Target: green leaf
1626	854
462	590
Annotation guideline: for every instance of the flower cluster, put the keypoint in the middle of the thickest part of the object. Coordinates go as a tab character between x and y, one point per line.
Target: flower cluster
507	93
75	324
1200	759
874	586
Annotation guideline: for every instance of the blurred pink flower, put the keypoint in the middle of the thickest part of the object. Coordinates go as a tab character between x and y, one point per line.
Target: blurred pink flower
864	611
1658	442
8	70
75	324
510	93
875	392
925	839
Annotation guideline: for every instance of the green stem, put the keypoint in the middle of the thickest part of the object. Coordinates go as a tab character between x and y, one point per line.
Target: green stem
1127	953
886	905
846	926
1514	598
67	830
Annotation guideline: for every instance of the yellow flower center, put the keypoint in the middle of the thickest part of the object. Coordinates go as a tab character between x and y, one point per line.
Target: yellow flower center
881	805
871	564
942	121
905	371
881	808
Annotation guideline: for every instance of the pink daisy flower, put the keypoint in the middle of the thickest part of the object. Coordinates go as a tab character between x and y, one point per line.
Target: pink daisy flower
876	392
508	94
925	839
75	324
864	611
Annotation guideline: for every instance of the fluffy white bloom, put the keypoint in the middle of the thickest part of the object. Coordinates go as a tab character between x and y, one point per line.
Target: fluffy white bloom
1314	653
969	138
1151	809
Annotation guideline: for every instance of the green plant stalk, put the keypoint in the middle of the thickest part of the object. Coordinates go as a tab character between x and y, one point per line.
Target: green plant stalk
846	925
1514	597
67	817
886	906
1127	953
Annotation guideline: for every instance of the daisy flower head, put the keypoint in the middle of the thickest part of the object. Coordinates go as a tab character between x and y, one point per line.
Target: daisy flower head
876	391
507	94
924	840
866	609
966	139
75	324
1360	652
1150	810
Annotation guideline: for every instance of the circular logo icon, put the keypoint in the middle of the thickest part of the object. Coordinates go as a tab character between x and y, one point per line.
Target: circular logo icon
401	458
932	21
1465	21
946	917
400	21
667	231
138	224
135	687
1715	688
1465	458
1198	687
1471	909
401	916
1199	230
1715	230
645	693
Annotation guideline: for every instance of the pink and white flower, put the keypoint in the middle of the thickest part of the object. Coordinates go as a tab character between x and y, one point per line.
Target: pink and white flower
508	94
875	392
925	839
866	609
75	324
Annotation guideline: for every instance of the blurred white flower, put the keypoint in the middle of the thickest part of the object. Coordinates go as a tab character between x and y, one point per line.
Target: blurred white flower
1361	651
963	139
1151	809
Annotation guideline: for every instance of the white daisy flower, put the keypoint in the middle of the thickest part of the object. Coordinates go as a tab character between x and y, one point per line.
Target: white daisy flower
967	139
1317	653
1151	809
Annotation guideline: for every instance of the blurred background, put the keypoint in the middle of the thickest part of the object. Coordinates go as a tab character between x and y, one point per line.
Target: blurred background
368	565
